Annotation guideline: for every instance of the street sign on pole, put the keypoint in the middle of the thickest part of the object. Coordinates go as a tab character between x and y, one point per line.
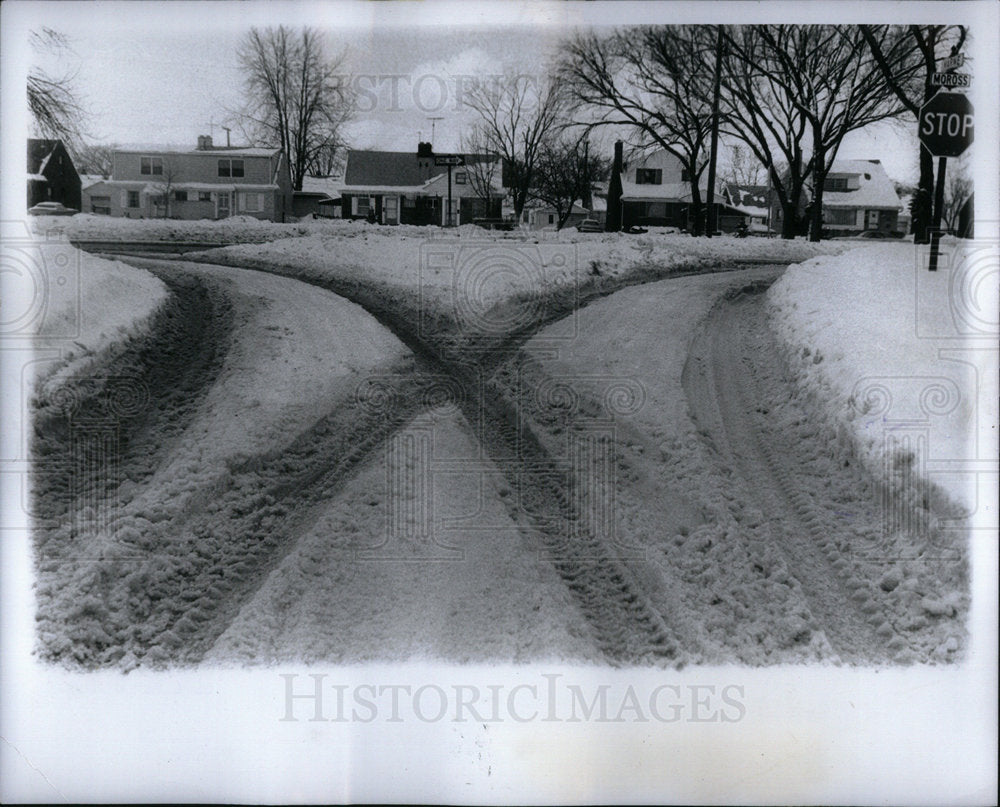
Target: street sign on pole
946	129
951	80
449	159
950	63
946	124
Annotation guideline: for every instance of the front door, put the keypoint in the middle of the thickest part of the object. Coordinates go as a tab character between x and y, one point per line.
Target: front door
222	203
391	209
872	220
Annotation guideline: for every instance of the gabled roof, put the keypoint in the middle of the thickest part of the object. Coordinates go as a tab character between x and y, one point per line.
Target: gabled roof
392	169
385	168
39	151
876	189
215	151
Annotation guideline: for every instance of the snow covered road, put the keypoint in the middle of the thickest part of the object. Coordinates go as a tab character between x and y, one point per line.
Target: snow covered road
640	482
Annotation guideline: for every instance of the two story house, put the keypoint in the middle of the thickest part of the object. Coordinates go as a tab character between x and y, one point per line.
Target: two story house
52	177
858	196
656	191
209	182
405	187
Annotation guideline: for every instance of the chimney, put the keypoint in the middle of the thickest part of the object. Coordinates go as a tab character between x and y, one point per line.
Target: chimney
425	150
204	142
613	218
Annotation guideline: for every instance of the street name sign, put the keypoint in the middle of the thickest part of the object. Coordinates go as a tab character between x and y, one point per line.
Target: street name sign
946	124
951	62
951	80
449	159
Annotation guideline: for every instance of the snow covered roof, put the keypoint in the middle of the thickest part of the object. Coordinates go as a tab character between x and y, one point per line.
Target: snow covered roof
668	192
152	188
215	151
330	186
875	190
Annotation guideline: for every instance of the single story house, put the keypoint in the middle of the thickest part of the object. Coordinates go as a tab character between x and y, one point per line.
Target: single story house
209	182
403	187
320	196
52	177
539	216
753	201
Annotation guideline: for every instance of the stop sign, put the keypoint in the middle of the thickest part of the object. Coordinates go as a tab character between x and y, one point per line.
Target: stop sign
946	124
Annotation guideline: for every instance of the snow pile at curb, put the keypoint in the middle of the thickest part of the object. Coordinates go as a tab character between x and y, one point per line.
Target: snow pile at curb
91	305
865	332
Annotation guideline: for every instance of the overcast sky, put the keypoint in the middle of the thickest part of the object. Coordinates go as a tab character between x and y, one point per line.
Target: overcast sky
165	73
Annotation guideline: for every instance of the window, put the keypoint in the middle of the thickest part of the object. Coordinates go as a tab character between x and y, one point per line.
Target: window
151	166
133	198
552	218
409	201
460	178
648	176
251	202
181	196
840	216
230	168
361	205
685	175
835	184
204	196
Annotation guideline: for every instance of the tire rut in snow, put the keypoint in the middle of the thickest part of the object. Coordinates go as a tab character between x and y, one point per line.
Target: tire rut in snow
120	422
626	627
732	359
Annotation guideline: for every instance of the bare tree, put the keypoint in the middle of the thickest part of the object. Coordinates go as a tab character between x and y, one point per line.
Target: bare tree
94	158
744	167
656	80
517	114
832	79
295	97
52	100
564	173
165	185
957	190
907	56
483	173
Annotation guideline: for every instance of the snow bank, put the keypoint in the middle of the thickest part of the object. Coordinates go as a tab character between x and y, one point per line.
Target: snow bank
87	306
889	350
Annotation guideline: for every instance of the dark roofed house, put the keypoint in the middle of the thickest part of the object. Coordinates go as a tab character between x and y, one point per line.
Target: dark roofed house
406	187
52	177
753	201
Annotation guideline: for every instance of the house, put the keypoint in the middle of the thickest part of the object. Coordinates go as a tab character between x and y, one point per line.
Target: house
539	216
209	182
858	196
656	191
52	177
753	202
320	196
403	187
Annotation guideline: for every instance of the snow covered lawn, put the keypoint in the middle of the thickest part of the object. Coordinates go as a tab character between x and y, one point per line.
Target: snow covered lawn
901	359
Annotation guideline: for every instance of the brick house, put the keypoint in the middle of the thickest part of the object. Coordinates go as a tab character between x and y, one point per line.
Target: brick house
209	182
403	187
52	177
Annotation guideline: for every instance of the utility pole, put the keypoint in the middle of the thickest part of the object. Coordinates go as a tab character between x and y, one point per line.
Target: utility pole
713	155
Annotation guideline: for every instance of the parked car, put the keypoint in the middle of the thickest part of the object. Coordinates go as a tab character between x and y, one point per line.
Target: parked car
51	209
590	226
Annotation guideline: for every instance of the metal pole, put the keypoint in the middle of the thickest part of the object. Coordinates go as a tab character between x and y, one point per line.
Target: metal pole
938	205
709	225
447	217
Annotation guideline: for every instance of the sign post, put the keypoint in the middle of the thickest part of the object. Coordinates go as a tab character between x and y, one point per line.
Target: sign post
450	160
946	129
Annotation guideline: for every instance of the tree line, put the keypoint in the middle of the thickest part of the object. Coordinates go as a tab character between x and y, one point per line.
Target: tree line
787	96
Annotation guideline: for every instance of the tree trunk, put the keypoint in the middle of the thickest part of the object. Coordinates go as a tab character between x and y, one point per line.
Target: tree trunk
697	208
